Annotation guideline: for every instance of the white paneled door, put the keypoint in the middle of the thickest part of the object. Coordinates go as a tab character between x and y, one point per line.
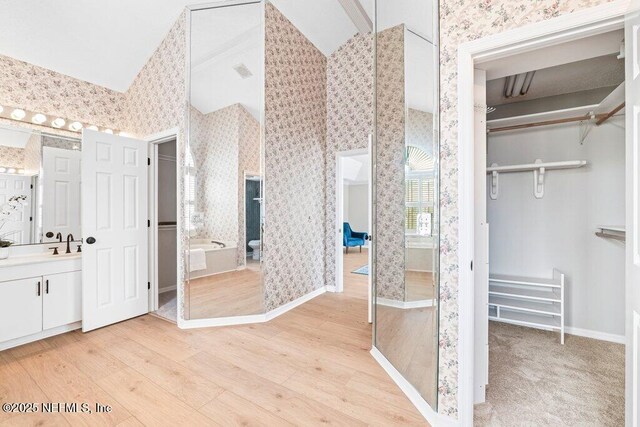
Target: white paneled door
18	227
632	112
60	193
114	228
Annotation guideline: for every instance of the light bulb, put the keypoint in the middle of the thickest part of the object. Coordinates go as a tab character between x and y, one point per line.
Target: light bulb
58	123
18	114
93	127
75	126
109	131
21	171
1	108
3	170
11	170
39	119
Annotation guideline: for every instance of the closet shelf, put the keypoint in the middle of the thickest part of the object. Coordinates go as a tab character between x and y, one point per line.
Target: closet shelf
528	167
538	303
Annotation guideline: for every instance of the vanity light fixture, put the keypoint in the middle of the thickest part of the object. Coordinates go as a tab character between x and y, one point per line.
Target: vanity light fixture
58	123
92	127
11	170
3	170
109	131
18	114
75	126
39	118
20	171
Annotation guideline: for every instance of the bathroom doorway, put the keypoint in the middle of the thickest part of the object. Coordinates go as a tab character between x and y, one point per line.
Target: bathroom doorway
253	214
353	223
163	224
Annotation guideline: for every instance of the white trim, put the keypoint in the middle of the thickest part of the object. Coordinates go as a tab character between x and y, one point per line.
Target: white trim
40	335
596	335
167	289
434	418
255	318
567	27
405	304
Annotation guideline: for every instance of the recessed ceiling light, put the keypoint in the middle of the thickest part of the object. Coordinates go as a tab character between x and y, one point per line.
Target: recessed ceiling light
18	114
39	119
75	126
109	131
93	127
58	123
11	170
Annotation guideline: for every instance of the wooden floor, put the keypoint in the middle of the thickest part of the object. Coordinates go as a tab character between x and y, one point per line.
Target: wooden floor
310	366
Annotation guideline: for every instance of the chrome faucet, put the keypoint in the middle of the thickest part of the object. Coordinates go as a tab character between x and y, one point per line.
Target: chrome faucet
69	240
59	237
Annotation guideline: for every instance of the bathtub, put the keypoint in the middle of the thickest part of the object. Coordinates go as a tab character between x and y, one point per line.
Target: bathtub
219	259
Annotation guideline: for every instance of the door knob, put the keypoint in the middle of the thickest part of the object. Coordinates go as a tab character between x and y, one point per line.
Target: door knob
91	240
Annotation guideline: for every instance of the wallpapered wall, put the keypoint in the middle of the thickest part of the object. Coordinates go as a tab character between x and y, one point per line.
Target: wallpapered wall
350	117
295	141
11	157
225	143
390	164
461	21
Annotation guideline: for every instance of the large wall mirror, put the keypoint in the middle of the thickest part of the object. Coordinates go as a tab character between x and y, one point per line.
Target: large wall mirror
406	277
39	187
224	195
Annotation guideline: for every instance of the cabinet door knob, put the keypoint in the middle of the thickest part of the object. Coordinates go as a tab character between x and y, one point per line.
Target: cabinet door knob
91	240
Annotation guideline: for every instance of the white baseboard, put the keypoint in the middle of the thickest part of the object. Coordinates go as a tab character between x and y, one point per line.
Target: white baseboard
254	318
602	336
331	288
405	304
434	418
167	289
40	335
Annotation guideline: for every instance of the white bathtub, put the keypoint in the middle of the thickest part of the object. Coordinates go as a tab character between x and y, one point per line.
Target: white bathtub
219	259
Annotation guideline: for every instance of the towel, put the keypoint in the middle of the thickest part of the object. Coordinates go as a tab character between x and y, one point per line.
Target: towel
197	260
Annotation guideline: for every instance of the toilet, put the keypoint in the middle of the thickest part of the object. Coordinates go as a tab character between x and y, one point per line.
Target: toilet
255	245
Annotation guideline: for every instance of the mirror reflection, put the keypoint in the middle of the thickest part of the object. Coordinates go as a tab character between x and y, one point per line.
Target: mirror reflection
406	327
39	187
224	194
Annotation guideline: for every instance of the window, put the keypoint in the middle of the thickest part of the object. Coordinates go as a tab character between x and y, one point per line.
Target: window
419	203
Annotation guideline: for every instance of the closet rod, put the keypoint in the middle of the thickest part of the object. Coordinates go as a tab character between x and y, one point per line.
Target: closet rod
610	114
546	123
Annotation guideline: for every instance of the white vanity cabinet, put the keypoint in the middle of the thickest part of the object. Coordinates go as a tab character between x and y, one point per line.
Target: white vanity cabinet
45	303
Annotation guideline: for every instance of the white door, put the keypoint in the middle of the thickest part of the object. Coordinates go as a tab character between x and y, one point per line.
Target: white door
632	264
18	227
60	193
114	229
481	246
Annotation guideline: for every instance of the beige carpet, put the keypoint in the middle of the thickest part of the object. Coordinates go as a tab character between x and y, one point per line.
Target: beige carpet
536	381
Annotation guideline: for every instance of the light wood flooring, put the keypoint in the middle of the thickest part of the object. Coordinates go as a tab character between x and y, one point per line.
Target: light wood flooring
310	366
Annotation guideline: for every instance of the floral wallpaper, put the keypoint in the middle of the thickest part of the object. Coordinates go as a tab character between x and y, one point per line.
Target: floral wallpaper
32	154
462	21
350	98
391	118
11	157
295	142
38	89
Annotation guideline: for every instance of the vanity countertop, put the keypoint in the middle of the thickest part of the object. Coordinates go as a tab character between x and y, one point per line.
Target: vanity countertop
14	261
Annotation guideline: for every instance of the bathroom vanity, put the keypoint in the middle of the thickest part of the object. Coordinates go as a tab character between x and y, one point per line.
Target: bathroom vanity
40	296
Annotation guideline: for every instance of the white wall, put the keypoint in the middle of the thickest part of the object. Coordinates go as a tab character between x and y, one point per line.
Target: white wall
356	206
530	236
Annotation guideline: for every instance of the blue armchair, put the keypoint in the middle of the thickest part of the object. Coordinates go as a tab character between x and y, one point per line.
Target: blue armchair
352	238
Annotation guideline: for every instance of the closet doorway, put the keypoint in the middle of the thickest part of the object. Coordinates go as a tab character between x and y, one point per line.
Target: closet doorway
353	222
163	226
551	212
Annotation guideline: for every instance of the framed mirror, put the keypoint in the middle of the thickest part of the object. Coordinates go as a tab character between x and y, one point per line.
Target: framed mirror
39	187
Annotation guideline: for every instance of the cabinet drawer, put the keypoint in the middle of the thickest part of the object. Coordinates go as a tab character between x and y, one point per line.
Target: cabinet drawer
20	308
62	299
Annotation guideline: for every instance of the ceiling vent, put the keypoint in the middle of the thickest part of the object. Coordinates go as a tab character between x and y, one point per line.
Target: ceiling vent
518	84
243	71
